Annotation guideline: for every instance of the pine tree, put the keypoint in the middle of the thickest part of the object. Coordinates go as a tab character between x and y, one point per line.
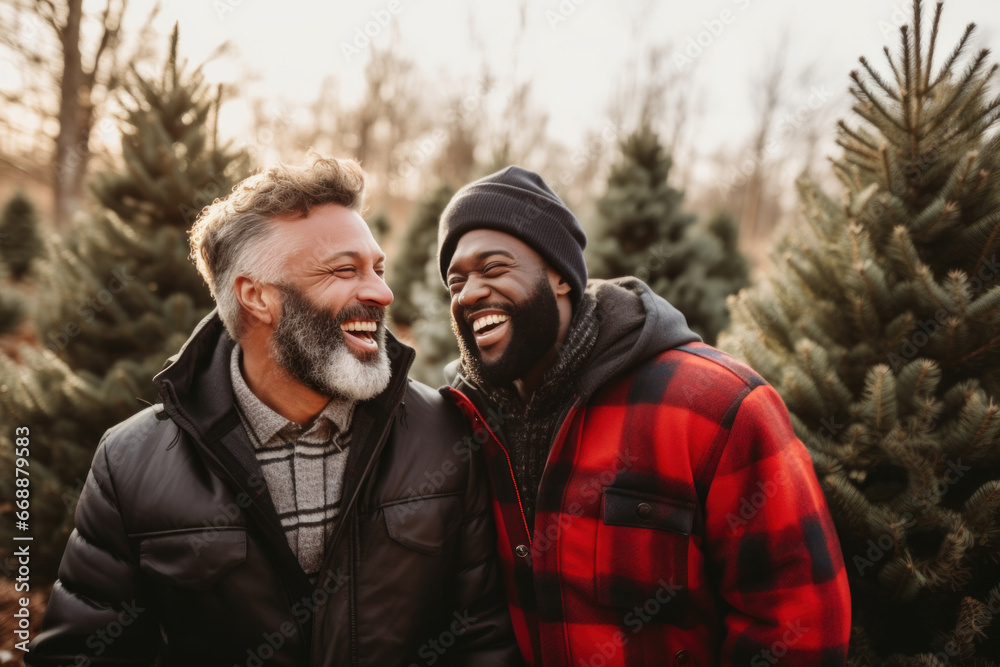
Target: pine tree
432	332
123	286
640	231
879	327
731	265
65	414
120	297
13	304
380	226
418	244
20	239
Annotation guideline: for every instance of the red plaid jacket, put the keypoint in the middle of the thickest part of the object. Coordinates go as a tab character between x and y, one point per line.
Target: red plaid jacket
679	522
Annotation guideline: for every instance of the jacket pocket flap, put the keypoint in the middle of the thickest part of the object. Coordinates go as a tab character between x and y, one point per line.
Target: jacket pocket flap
423	524
622	507
193	559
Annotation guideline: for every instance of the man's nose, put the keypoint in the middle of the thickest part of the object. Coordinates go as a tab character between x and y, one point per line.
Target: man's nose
474	289
374	291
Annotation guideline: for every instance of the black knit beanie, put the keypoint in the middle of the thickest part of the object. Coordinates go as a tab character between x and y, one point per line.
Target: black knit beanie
518	202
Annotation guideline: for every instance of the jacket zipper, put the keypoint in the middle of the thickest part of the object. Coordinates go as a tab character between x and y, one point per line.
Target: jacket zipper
560	434
339	530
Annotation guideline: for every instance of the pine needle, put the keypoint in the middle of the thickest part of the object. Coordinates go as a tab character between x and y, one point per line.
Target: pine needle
930	51
959	48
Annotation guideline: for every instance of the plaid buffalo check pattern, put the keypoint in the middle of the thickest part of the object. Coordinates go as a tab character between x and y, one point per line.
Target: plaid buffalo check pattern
679	523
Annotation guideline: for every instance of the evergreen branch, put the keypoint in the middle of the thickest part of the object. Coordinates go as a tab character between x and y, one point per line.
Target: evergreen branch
853	181
901	236
903	580
911	95
878	79
892	65
872	101
987	312
969	161
946	210
917	13
957	286
856	136
927	278
930	51
946	68
990	108
982	180
841	172
854	149
983	348
908	88
957	134
885	166
942	114
990	241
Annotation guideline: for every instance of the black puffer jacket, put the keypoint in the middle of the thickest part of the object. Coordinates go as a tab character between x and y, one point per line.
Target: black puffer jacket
178	551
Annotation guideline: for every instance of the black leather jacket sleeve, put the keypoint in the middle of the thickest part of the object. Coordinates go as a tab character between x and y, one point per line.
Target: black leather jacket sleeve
486	637
97	609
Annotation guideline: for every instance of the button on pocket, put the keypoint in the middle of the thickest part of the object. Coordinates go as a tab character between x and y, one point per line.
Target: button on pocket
642	552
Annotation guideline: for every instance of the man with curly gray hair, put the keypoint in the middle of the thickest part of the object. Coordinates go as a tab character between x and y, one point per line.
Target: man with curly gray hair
294	498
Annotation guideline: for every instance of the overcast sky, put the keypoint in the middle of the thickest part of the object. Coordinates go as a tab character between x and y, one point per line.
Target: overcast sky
573	50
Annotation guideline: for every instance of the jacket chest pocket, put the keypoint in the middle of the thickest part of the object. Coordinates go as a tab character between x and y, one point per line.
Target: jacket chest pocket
424	524
195	559
642	553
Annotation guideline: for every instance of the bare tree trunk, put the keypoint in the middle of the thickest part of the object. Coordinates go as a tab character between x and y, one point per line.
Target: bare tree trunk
69	163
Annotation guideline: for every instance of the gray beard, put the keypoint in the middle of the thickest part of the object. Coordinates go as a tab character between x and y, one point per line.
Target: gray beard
309	344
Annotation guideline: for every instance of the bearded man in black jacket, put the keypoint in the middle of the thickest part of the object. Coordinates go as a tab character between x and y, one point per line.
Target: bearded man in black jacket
294	499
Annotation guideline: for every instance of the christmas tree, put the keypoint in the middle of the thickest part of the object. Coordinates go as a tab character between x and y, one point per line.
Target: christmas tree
123	286
418	244
878	326
380	226
432	332
641	231
13	306
20	240
120	297
65	414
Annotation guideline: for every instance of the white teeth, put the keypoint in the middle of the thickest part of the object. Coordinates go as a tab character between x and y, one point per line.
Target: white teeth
359	326
487	320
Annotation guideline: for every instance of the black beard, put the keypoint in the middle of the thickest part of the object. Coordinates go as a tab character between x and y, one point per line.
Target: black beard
306	335
534	329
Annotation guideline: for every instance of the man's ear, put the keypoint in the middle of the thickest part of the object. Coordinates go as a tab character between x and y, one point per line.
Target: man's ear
260	302
559	284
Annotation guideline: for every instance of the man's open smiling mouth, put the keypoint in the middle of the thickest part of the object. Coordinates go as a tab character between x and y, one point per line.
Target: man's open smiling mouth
490	327
361	333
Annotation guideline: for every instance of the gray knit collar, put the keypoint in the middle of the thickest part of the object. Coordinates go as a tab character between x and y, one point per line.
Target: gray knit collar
266	423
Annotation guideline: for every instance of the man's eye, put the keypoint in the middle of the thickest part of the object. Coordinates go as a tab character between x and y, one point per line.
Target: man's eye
492	268
345	270
455	287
